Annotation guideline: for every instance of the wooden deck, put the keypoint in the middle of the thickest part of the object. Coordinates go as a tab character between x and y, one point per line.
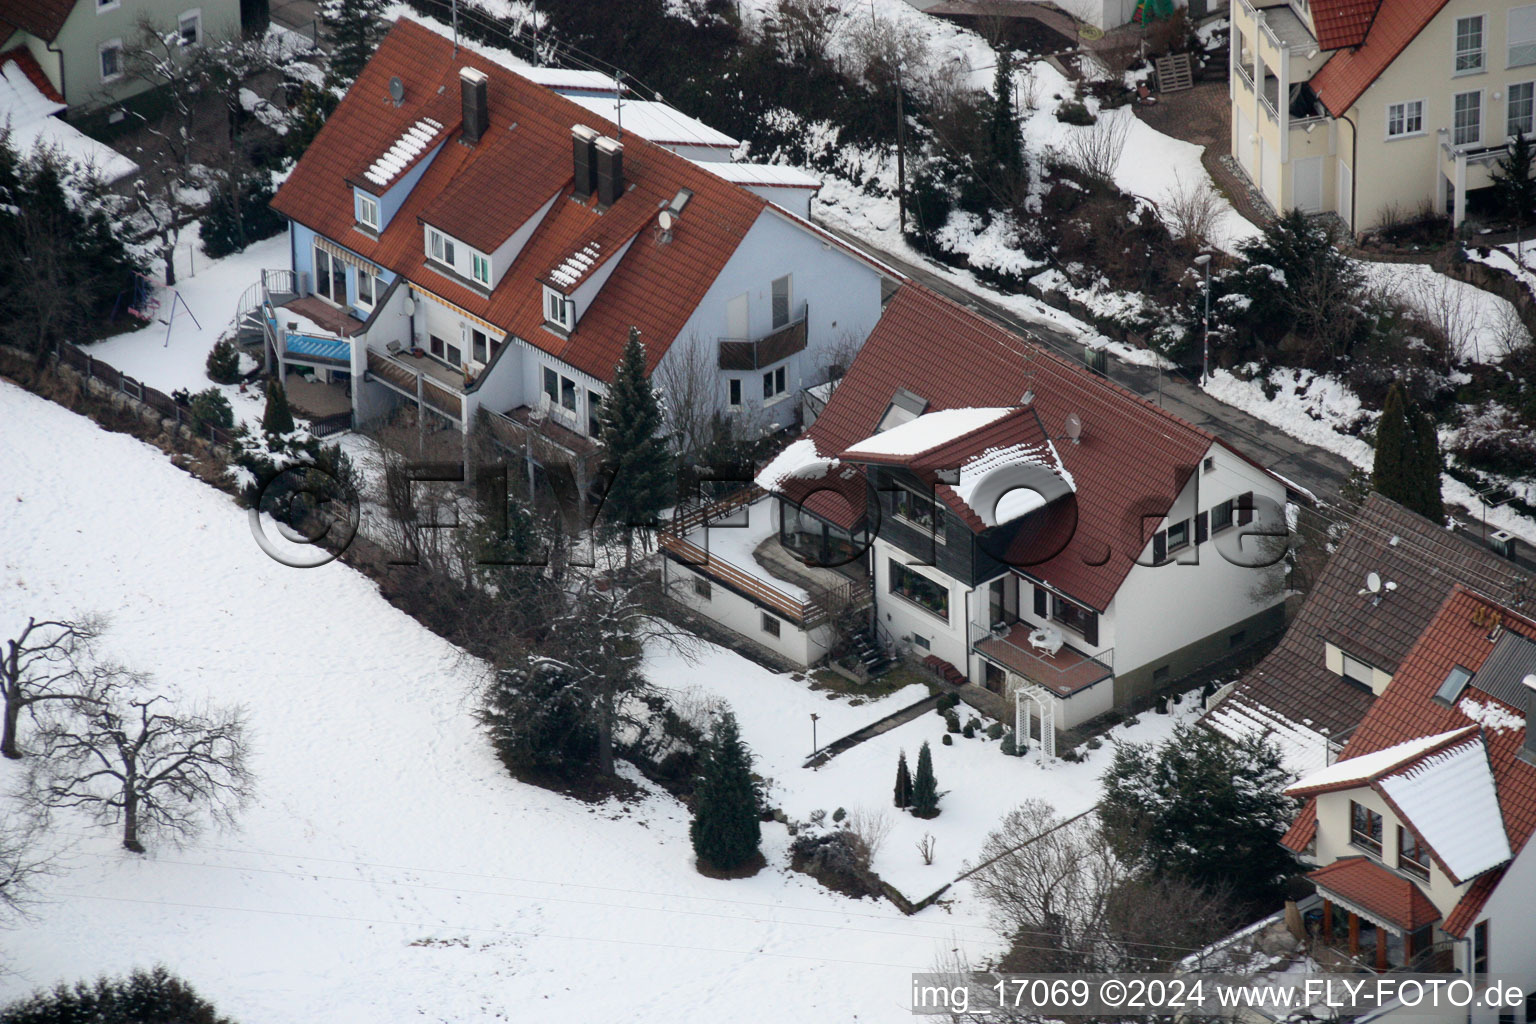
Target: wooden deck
406	379
338	321
1064	674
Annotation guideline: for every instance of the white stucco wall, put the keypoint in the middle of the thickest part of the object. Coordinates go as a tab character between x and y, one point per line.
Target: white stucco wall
1159	609
947	638
736	613
1511	931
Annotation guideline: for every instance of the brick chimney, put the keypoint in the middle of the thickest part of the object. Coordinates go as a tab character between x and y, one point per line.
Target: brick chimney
610	171
474	85
584	157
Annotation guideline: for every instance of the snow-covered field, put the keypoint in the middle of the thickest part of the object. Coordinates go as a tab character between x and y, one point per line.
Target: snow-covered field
388	869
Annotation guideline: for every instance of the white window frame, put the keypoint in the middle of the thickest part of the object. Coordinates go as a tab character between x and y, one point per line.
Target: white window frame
373	288
1478	139
195	16
440	249
775	385
1482	46
1510	43
559	310
364	204
476	261
105	48
1404	107
1508	102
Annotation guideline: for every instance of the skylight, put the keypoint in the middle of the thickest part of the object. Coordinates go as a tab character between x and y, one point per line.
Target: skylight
1454	683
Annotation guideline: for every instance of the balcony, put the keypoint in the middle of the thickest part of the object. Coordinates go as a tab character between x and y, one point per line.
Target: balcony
429	382
545	439
780	343
1064	673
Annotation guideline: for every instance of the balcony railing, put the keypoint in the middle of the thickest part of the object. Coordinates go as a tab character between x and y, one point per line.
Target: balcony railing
414	383
1063	673
547	441
780	343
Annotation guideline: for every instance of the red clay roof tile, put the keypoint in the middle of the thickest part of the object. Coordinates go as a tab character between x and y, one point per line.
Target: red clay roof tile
1346	74
1380	893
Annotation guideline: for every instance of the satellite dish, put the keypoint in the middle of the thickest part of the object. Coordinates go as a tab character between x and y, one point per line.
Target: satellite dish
665	219
409	307
1074	426
1373	582
396	90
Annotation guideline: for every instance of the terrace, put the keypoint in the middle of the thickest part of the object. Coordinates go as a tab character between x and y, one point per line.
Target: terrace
1063	673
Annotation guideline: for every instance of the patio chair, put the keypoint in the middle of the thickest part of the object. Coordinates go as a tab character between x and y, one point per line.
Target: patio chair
393	348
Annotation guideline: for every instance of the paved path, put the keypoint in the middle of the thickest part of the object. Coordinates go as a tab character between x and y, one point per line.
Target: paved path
1320	471
872	730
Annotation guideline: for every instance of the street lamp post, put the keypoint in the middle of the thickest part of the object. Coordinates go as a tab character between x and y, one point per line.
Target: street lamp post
1204	261
815	747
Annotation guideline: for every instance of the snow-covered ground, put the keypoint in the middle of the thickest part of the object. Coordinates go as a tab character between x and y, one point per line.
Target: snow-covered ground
1482	327
174	355
388	869
732	540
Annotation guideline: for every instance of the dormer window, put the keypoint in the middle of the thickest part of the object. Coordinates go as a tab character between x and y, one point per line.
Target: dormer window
558	309
481	268
440	247
367	211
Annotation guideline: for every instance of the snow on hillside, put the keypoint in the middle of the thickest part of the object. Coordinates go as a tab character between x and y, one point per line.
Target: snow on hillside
1482	327
389	869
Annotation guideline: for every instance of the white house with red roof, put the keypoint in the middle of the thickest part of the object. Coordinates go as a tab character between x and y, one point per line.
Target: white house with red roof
1421	829
472	239
1011	517
1374	109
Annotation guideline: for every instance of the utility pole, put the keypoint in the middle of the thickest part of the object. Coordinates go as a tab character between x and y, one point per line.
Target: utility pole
1204	261
901	157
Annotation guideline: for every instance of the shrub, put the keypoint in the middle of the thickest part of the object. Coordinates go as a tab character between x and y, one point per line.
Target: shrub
210	408
1011	748
947	740
224	362
1094	743
969	732
949	700
239	215
1074	112
141	998
951	720
839	814
838	860
995	731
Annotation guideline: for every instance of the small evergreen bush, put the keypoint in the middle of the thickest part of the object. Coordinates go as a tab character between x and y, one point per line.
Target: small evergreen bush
210	408
235	221
947	739
995	731
1074	112
224	362
144	997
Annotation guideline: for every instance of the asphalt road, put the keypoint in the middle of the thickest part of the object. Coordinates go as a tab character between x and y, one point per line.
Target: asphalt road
1319	471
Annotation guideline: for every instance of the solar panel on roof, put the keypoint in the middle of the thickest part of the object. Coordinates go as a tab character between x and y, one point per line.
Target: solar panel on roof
1513	658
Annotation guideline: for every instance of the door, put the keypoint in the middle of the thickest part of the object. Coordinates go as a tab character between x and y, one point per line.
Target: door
1307	184
736	318
1244	147
330	277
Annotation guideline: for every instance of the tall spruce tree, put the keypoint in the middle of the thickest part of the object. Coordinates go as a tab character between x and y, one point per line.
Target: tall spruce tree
725	829
1392	473
1514	190
903	782
1003	128
1427	467
355	27
277	418
925	788
1204	810
637	461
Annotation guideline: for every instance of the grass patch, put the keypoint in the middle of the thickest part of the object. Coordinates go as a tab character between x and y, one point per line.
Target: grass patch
825	679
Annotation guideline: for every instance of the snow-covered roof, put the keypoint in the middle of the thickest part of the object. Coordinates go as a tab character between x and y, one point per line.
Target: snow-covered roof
992	485
657	122
1362	769
774	175
927	432
576	265
800	460
567	80
30	116
411	143
1303	747
1450	800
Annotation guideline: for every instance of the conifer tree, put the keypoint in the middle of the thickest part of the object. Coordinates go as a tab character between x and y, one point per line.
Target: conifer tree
277	419
637	461
1391	473
925	788
1428	466
1003	130
355	27
903	782
1513	187
725	829
224	362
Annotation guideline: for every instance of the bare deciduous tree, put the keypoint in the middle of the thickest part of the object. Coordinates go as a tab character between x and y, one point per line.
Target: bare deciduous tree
870	826
45	663
1192	209
20	862
1095	149
133	758
688	384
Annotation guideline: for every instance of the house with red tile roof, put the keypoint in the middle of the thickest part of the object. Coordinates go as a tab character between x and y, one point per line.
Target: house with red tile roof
81	46
469	240
1421	830
1376	109
1015	519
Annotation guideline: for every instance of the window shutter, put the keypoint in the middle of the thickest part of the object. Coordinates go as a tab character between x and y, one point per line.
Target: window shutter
1091	630
1159	546
1040	605
1245	508
1202	527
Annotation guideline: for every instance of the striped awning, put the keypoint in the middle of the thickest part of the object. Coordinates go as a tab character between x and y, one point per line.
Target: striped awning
350	258
499	332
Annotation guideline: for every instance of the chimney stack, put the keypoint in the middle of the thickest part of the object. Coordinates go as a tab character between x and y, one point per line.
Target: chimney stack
1528	749
610	171
584	153
477	110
